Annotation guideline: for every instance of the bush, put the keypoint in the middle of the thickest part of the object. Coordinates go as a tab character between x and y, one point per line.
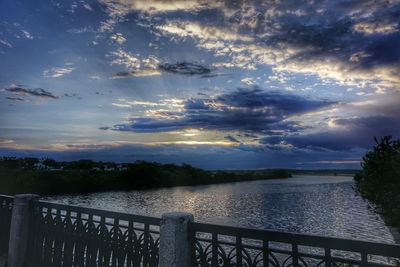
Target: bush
379	179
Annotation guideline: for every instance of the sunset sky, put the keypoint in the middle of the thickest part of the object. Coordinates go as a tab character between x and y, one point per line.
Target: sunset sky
217	84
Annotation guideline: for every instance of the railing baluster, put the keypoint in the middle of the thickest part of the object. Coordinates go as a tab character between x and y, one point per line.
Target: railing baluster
265	253
48	244
295	255
58	242
214	260
239	251
146	245
328	258
364	258
68	247
131	245
114	243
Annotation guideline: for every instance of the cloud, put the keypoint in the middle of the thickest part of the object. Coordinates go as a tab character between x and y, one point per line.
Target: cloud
118	37
122	7
232	139
170	103
4	42
209	156
16	99
376	27
250	81
152	66
4	141
58	72
345	127
137	73
201	32
185	68
344	134
37	92
243	110
353	43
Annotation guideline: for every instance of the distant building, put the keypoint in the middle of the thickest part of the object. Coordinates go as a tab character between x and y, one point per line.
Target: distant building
40	166
122	167
109	168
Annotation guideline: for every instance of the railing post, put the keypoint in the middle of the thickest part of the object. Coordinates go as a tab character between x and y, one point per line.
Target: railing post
175	240
19	232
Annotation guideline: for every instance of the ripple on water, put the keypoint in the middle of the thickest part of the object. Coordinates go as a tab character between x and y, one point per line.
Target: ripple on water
325	206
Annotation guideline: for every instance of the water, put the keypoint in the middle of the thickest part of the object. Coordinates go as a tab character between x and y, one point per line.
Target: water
322	205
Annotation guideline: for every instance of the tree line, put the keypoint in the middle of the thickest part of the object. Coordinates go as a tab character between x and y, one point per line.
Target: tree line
379	179
23	176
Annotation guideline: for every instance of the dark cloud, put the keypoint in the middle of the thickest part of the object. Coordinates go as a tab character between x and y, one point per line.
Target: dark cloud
343	40
186	68
212	75
347	134
104	128
243	110
124	74
340	30
232	138
193	104
38	92
16	99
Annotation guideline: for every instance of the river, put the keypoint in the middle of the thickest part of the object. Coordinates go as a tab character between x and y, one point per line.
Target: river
322	205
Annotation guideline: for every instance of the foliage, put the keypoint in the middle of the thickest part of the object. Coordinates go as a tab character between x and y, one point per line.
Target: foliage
379	179
21	176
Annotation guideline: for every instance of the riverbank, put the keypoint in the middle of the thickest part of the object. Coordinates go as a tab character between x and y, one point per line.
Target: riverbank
72	178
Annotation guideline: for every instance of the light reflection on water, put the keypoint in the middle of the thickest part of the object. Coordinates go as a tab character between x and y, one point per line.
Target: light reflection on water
324	205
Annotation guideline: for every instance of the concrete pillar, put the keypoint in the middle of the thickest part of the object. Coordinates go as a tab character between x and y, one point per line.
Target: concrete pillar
19	232
175	243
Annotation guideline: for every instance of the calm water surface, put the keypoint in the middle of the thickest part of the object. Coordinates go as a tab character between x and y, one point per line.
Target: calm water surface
323	205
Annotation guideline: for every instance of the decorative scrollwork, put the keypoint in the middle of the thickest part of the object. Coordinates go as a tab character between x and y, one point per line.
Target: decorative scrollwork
225	246
82	237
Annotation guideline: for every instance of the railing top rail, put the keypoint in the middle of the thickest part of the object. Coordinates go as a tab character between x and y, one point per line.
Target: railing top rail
6	197
100	212
373	248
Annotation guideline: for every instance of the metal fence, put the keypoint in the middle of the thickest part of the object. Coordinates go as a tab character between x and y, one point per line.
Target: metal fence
6	204
216	245
74	236
69	236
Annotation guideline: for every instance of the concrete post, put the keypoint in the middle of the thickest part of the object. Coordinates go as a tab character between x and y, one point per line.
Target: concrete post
175	243
19	232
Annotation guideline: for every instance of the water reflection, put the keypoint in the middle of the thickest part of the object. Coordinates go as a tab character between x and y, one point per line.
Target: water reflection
306	204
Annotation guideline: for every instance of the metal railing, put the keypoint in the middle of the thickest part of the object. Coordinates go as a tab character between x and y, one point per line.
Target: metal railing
65	235
217	245
6	205
48	234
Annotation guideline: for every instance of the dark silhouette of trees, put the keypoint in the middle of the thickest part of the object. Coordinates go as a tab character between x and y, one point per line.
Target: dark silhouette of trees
88	176
379	179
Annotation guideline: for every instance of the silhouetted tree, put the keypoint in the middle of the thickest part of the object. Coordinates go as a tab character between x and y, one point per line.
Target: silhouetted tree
379	179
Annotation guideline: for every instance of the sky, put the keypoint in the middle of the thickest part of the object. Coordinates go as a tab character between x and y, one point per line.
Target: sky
219	84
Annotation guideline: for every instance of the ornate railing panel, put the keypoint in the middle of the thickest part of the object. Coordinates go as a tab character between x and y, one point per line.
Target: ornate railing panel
75	236
6	204
215	245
